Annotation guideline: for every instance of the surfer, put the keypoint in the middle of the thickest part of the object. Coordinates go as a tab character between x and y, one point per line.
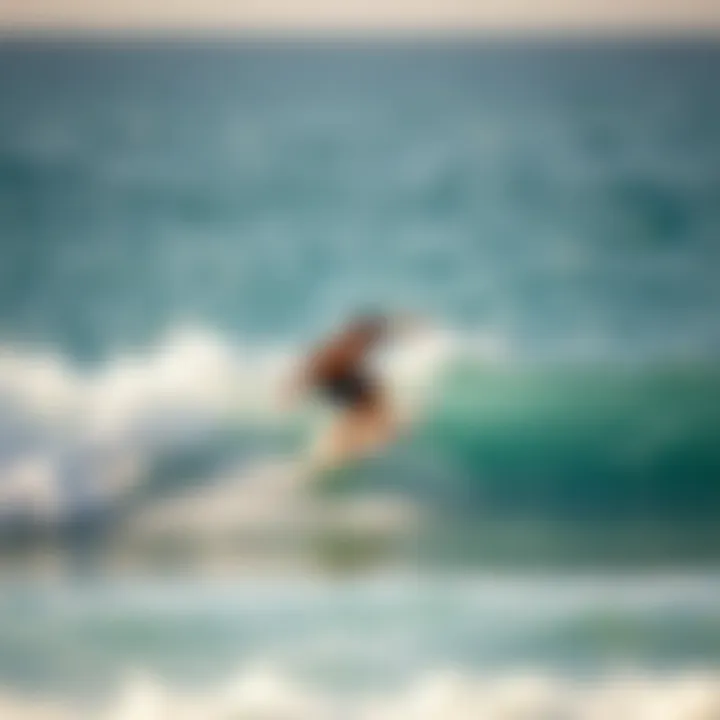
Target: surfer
338	371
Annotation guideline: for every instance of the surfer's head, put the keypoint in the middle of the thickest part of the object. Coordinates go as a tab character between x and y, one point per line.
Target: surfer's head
369	327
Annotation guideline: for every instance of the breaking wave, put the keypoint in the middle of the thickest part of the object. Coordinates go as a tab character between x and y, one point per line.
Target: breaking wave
73	439
493	438
263	693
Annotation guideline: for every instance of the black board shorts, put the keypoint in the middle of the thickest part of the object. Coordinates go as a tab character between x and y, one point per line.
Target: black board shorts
352	389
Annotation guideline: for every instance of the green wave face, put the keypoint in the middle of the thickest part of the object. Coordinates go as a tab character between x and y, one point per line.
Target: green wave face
578	442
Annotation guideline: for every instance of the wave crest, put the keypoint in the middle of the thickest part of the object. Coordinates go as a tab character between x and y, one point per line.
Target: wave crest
264	693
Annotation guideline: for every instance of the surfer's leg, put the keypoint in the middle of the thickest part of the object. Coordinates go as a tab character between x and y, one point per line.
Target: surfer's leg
356	433
377	428
336	444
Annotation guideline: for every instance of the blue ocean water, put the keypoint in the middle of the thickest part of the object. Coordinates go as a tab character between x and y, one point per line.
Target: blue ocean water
310	626
562	201
558	202
566	197
176	218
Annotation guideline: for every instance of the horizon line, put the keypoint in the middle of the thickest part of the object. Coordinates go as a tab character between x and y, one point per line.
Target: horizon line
233	33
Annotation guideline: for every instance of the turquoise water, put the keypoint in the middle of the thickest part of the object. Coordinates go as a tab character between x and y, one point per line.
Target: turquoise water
557	202
177	219
563	197
562	201
359	636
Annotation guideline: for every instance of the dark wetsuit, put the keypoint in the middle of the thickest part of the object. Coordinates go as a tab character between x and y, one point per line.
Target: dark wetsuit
351	388
338	368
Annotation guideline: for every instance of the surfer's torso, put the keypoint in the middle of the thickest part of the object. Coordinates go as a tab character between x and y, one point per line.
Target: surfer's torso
339	370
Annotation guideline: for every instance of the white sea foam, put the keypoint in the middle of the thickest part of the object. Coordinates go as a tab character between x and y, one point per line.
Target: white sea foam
265	694
96	431
268	505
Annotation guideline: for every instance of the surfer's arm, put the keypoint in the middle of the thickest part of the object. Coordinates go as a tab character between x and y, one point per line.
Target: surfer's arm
403	325
295	387
301	381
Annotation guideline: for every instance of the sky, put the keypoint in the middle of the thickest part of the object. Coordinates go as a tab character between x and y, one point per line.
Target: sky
425	16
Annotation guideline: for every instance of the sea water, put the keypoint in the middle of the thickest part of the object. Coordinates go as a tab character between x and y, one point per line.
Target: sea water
179	220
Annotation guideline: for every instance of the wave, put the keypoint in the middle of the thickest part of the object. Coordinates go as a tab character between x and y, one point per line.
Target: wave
71	439
583	442
492	437
267	693
620	645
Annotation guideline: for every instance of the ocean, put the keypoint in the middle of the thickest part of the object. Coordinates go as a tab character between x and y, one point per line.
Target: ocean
180	219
